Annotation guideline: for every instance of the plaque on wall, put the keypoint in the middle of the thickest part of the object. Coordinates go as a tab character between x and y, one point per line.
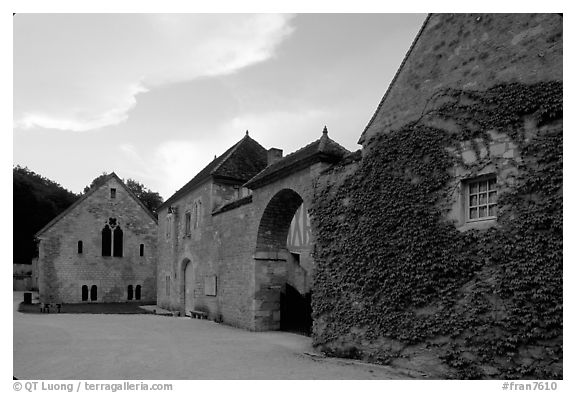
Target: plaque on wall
210	285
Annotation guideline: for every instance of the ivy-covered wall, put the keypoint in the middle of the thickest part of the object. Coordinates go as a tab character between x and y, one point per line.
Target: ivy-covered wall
397	282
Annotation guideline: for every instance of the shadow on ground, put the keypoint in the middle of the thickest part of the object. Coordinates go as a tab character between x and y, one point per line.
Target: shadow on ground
89	308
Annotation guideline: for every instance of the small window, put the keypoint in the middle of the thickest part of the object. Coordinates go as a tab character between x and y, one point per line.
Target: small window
138	292
94	293
130	292
141	250
481	198
112	193
187	221
80	246
197	213
84	293
168	225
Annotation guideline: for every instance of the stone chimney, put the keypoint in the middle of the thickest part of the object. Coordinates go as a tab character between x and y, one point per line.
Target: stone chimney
274	155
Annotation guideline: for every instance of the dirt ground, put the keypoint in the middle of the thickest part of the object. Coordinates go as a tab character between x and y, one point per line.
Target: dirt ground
146	346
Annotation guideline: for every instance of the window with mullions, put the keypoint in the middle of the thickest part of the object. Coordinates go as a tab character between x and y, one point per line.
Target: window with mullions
112	239
481	199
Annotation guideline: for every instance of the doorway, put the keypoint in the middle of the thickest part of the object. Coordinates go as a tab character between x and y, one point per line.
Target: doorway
295	311
188	288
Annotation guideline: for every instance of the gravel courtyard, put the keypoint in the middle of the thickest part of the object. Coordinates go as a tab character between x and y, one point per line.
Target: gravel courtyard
101	346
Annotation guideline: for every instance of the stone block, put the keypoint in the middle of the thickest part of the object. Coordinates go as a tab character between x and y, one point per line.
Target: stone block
469	157
497	149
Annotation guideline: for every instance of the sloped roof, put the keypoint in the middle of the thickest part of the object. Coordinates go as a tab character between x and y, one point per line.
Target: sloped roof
90	192
239	163
323	149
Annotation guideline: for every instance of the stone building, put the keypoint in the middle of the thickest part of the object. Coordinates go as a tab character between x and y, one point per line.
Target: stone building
101	249
235	241
472	52
470	262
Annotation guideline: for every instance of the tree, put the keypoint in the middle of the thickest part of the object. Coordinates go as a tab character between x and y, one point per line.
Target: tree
96	182
37	200
152	200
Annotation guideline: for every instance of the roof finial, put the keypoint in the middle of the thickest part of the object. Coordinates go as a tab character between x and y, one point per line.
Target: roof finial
325	131
246	132
215	156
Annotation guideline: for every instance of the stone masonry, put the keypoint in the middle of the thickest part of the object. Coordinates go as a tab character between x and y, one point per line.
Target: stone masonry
469	51
63	270
242	235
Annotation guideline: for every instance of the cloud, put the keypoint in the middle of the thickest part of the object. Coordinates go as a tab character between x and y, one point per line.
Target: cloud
84	119
176	162
94	66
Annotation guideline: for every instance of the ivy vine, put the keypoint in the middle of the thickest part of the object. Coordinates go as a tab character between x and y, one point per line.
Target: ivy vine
389	264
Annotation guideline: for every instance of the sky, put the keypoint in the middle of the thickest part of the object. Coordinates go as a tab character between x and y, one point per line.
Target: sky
154	97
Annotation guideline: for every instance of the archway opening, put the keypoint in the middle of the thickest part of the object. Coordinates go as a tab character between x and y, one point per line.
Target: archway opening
282	284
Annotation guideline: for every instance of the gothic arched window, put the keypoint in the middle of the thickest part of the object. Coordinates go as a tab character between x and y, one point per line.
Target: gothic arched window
138	292
80	246
84	293
130	292
112	239
118	239
106	241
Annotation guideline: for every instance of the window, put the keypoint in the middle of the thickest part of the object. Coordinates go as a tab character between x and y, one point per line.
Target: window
106	241
94	293
481	199
138	292
112	193
84	293
80	245
197	213
118	240
112	239
130	292
187	221
167	285
168	225
141	250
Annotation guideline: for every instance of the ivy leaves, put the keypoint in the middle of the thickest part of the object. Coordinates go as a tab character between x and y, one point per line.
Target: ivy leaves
387	262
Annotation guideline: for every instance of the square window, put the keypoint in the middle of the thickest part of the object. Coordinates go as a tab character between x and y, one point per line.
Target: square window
481	195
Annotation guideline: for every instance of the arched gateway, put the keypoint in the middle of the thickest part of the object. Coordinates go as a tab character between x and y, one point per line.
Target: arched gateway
282	280
283	267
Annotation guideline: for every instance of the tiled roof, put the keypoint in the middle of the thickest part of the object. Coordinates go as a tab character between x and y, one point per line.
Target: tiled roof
323	149
240	162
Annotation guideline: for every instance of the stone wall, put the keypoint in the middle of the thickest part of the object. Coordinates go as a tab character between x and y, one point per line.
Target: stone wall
220	246
470	51
224	245
63	271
